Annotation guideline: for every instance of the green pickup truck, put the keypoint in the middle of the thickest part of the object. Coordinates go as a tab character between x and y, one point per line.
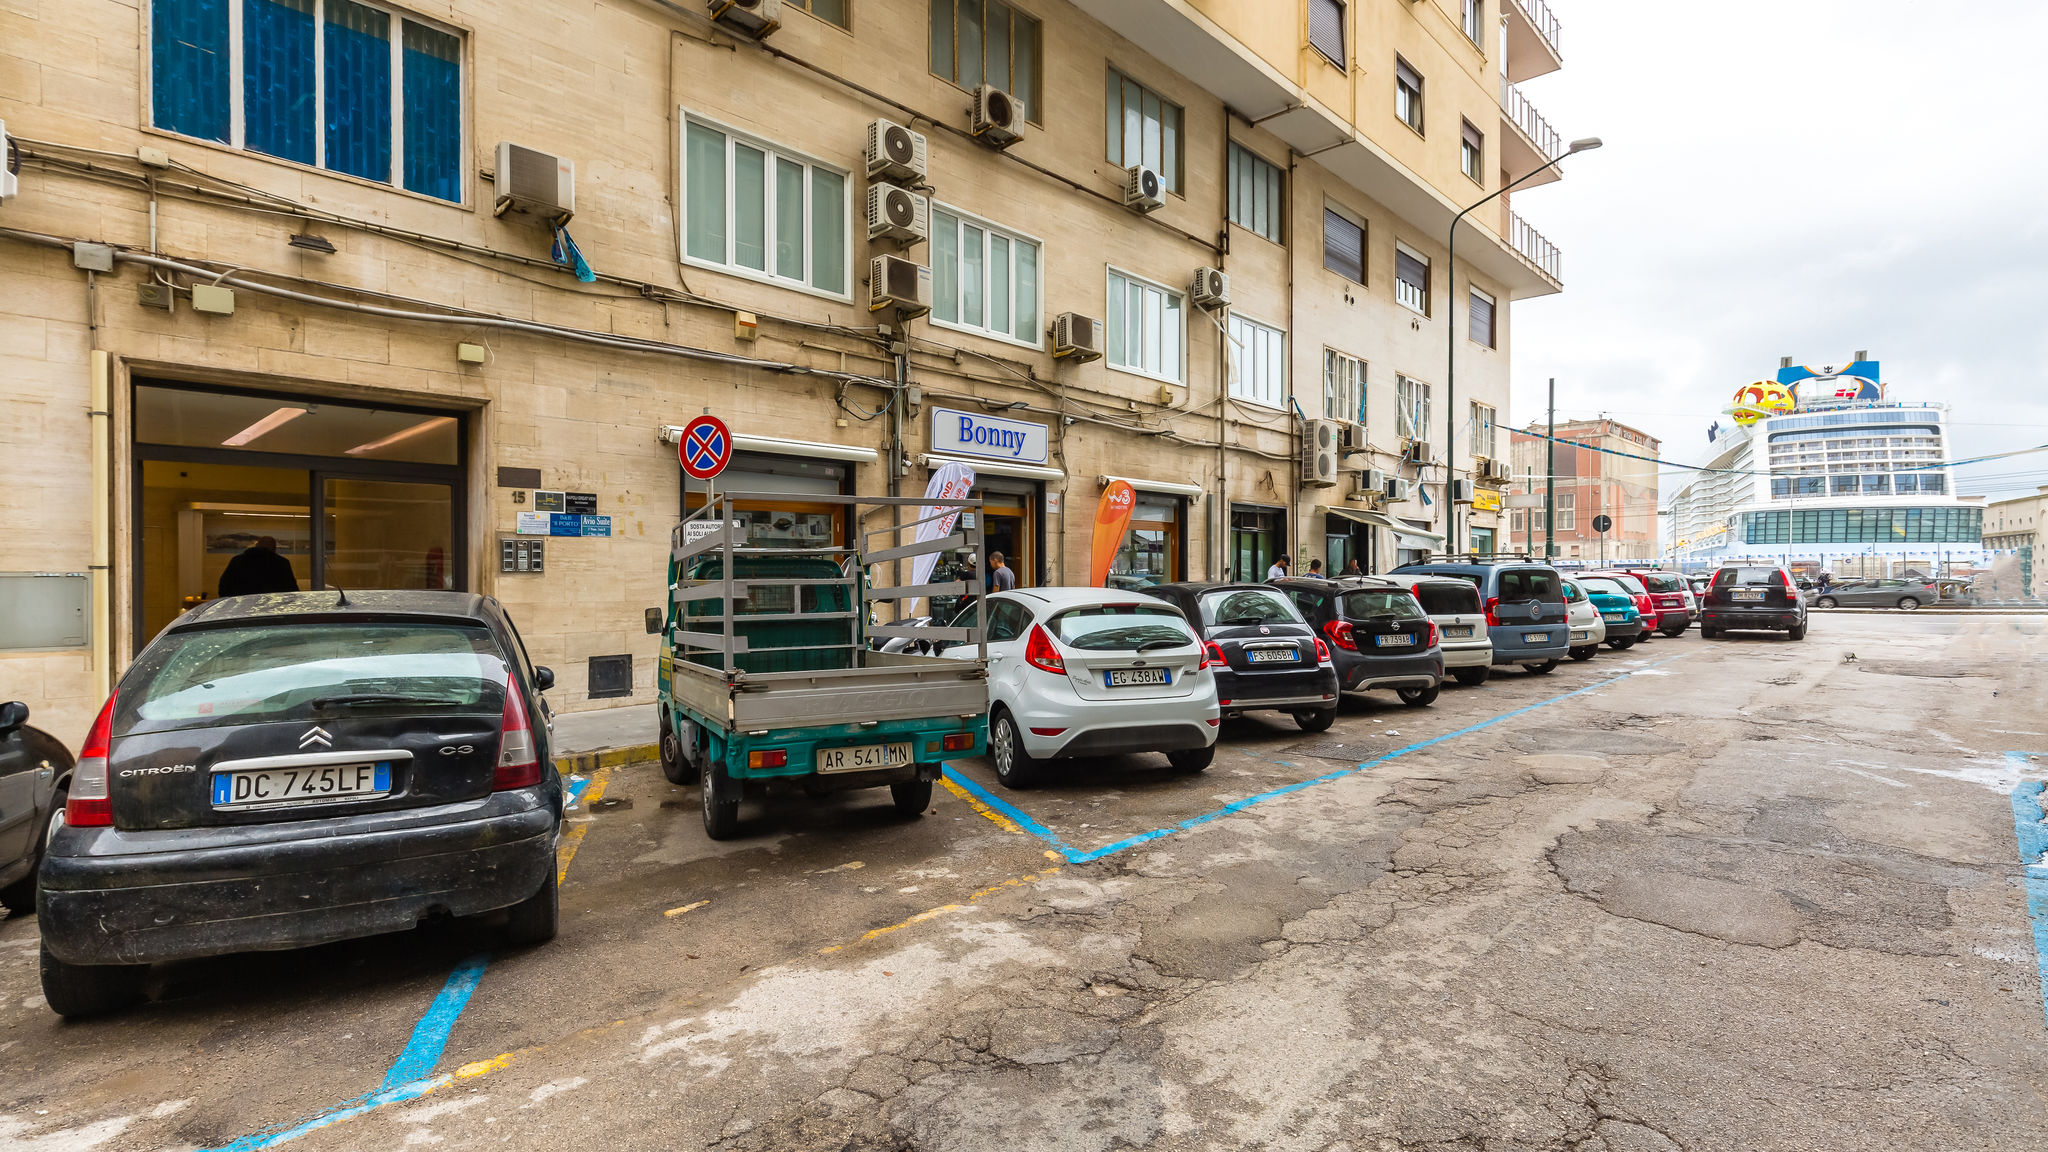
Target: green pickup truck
766	679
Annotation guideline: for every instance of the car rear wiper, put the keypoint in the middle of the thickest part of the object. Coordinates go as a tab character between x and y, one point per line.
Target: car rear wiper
1242	621
367	699
1149	645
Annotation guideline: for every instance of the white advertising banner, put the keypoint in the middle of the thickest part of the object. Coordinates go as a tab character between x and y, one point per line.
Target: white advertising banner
949	482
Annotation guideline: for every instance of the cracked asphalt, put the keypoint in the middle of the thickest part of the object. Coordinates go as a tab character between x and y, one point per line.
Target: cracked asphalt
1752	895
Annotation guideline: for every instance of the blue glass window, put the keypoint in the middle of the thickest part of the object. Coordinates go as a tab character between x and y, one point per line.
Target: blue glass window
358	80
433	112
278	89
188	57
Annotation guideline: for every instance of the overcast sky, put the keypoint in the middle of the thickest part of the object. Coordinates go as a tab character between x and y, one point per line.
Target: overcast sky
1797	178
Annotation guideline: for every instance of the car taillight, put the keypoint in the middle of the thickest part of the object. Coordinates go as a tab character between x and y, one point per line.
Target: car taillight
1435	637
1322	651
1212	655
518	756
90	804
1492	621
1040	654
1339	632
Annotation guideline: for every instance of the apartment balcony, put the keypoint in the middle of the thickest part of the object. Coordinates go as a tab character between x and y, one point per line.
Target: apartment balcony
1527	141
1532	39
1532	246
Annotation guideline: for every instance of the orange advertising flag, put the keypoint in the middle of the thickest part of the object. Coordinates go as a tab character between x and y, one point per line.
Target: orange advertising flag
1112	516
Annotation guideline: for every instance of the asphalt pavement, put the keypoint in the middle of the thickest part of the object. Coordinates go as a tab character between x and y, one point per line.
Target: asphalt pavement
1743	894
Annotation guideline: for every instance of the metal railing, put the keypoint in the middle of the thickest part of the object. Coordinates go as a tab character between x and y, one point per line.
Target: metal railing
1544	21
1530	121
1535	248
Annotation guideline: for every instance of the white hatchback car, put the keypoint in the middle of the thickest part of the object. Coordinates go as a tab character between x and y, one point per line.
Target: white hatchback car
1093	672
1454	604
1589	631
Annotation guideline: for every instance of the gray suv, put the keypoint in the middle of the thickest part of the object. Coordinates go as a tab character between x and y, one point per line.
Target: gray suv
1526	616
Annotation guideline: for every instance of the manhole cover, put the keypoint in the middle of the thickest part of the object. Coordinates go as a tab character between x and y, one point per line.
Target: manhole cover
1351	752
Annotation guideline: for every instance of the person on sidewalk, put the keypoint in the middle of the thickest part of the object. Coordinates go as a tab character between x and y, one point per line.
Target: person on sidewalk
1315	568
257	569
1001	579
1351	568
1278	570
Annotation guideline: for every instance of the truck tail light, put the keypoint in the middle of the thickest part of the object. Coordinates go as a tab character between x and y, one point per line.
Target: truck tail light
772	758
518	757
1339	632
1212	655
90	804
958	742
1040	654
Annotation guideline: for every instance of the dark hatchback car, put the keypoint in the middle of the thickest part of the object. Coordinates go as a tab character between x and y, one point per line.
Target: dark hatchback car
284	770
1378	634
1264	654
35	770
1526	616
1745	597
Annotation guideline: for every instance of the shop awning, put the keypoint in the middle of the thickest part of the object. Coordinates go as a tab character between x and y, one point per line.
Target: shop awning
1409	536
781	446
1362	516
992	467
1166	486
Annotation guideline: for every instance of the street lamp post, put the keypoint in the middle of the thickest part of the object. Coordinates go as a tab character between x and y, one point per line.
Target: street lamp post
1451	342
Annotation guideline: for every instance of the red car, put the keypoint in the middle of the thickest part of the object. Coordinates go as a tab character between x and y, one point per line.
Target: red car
1667	594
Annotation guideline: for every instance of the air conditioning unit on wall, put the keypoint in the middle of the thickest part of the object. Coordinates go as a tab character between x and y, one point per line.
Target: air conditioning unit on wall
997	118
1143	189
894	282
529	181
756	18
1077	337
1210	288
1417	452
1461	491
897	214
1373	484
894	152
1319	453
1353	438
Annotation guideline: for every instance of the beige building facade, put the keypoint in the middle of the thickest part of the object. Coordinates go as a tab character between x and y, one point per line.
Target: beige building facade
260	279
1602	467
2012	535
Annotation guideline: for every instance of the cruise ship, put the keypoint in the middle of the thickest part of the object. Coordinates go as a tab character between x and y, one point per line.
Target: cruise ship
1826	471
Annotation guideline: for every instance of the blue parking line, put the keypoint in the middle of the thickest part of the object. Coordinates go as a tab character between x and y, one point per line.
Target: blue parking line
1077	856
575	786
430	1035
2030	829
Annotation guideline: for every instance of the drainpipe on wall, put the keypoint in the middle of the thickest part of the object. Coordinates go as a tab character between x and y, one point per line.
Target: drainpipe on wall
102	487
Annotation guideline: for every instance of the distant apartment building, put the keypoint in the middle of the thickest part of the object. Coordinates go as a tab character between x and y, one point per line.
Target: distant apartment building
1602	468
2012	534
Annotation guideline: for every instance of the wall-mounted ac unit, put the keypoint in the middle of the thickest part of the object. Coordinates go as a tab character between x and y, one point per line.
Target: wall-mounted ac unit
1373	483
894	282
1417	452
1143	189
1498	471
894	152
1210	288
897	214
529	181
998	117
1461	491
1319	453
1397	488
1077	337
1352	438
756	18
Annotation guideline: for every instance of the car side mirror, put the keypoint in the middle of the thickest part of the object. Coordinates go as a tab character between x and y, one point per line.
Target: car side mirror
543	678
654	621
13	715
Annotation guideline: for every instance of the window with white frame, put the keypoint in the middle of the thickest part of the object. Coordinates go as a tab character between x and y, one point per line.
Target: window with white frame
1480	311
757	211
349	86
1472	153
1411	408
1343	387
1258	362
1144	128
985	279
1567	512
1146	325
1407	94
1411	279
1482	431
1255	202
1475	22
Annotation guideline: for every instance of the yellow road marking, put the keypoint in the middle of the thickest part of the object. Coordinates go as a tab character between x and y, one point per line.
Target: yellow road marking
574	836
1000	820
685	908
941	910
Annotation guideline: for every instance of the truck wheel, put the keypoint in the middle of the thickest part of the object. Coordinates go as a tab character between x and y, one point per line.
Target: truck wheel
1543	669
1473	677
1191	760
1015	767
674	765
90	989
1316	720
911	797
721	803
1418	697
533	920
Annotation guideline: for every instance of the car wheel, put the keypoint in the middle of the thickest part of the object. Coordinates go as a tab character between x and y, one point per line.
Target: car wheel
911	797
674	765
20	896
1622	643
1543	669
1316	720
1908	604
1472	677
1674	633
721	803
1824	602
1707	633
533	920
1796	632
1582	653
1191	760
1418	697
1015	767
90	989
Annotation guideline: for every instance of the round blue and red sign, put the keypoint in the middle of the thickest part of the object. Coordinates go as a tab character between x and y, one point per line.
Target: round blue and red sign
706	447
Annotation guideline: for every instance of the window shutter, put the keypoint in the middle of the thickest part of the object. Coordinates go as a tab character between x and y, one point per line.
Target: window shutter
1326	29
1482	318
1407	75
1411	271
1343	246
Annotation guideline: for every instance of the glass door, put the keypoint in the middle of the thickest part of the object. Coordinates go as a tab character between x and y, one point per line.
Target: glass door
386	533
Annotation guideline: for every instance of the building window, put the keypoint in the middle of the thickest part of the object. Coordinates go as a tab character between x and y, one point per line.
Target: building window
1411	279
1518	521
1326	29
1407	94
1343	387
1566	519
1844	485
1479	307
337	84
1256	540
976	42
1257	362
757	211
1343	245
1144	128
1255	203
984	279
1472	154
1475	21
830	11
1411	409
1146	332
1877	484
1482	431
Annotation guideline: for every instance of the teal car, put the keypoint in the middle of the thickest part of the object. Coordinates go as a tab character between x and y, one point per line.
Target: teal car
1617	610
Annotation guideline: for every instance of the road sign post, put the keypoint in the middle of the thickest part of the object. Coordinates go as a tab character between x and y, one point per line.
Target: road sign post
1601	524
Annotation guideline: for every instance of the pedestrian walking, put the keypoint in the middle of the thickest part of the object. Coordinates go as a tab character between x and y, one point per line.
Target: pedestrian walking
256	569
1278	570
1001	579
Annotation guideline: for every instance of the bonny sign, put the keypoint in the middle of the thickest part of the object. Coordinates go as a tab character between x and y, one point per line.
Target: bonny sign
974	434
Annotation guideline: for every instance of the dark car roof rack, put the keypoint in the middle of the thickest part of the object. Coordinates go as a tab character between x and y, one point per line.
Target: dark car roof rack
1477	557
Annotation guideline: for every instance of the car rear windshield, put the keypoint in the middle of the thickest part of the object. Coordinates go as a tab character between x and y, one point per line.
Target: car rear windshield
1377	602
1234	606
1122	628
1595	585
1448	599
1633	585
1746	576
260	673
1530	584
1662	582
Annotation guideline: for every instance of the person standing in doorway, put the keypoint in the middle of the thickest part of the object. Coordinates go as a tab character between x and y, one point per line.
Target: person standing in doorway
1000	578
1351	568
257	569
1278	570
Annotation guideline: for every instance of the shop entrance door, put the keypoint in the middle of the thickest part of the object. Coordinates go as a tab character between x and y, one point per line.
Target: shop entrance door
1007	528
